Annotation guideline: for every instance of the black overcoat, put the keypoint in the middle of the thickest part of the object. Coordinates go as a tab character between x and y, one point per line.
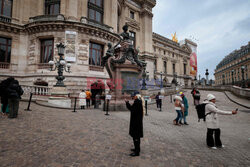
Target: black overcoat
136	117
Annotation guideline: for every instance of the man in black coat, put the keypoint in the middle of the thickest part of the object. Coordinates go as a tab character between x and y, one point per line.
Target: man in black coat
15	92
136	124
4	94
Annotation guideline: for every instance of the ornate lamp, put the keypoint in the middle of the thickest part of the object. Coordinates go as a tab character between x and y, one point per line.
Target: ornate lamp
60	65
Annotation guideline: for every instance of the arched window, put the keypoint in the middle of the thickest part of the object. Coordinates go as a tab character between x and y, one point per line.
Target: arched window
95	10
52	7
6	7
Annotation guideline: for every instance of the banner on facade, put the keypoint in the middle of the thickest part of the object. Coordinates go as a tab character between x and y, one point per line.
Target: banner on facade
193	61
70	42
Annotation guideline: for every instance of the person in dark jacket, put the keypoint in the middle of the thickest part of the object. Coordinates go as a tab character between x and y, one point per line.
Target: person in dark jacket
136	122
158	100
14	95
4	94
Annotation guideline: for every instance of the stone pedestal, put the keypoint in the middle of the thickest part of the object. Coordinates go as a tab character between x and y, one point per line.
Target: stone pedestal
59	97
126	82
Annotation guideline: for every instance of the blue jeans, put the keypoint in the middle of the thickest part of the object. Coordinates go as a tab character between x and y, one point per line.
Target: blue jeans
179	116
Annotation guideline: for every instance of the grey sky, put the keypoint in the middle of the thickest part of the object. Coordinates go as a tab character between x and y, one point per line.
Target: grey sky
217	26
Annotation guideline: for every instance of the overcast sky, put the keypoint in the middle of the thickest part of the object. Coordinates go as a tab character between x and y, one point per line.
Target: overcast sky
217	26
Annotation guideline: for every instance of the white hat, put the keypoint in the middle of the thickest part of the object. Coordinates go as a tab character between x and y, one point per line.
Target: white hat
178	98
210	97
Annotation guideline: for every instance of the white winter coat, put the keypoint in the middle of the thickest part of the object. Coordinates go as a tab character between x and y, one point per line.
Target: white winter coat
212	120
82	99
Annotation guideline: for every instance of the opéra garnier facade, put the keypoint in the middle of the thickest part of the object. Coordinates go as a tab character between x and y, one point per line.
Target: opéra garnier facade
234	69
30	31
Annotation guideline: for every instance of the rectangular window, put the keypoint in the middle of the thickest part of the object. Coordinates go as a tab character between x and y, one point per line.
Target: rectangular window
95	10
165	67
132	15
95	54
6	7
173	68
5	50
47	50
52	7
185	70
132	36
155	66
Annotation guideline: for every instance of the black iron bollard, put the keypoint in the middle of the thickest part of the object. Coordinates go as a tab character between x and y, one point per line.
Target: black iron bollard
146	107
171	98
107	111
75	105
28	108
160	105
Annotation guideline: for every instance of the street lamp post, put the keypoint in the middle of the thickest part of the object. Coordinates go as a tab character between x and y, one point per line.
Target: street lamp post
161	79
243	79
232	77
206	77
199	79
144	75
60	65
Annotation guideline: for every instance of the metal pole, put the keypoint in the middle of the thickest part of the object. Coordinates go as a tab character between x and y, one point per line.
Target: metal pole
160	104
146	107
171	98
28	108
107	111
75	105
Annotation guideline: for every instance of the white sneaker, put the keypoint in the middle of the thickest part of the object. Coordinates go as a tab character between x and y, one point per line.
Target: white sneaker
214	148
222	146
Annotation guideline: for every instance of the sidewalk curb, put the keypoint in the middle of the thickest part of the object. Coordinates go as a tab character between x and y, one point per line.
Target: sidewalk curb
236	102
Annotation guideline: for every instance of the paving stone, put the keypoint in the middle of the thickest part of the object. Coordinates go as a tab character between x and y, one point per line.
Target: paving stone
56	137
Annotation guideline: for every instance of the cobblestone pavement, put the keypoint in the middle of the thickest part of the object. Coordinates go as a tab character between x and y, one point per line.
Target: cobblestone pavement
54	137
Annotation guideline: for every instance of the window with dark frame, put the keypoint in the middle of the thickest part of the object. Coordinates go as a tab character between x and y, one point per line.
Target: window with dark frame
165	67
95	10
155	66
95	54
132	15
5	50
185	70
173	68
52	7
47	50
132	36
6	7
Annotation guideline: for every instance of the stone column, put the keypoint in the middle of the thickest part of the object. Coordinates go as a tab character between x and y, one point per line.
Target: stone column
72	10
22	53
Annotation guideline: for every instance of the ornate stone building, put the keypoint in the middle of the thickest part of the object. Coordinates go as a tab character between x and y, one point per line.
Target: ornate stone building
234	68
31	29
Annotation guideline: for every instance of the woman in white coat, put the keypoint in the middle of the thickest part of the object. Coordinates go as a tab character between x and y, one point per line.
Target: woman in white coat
82	99
212	121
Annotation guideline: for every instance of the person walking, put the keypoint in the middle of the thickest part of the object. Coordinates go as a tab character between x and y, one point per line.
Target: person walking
193	92
185	113
158	101
15	92
88	97
97	100
82	99
136	121
179	107
212	122
197	97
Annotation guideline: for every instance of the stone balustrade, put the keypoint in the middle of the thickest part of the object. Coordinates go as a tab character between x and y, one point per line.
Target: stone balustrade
36	90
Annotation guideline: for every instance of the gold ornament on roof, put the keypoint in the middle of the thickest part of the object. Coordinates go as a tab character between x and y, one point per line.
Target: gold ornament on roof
174	37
